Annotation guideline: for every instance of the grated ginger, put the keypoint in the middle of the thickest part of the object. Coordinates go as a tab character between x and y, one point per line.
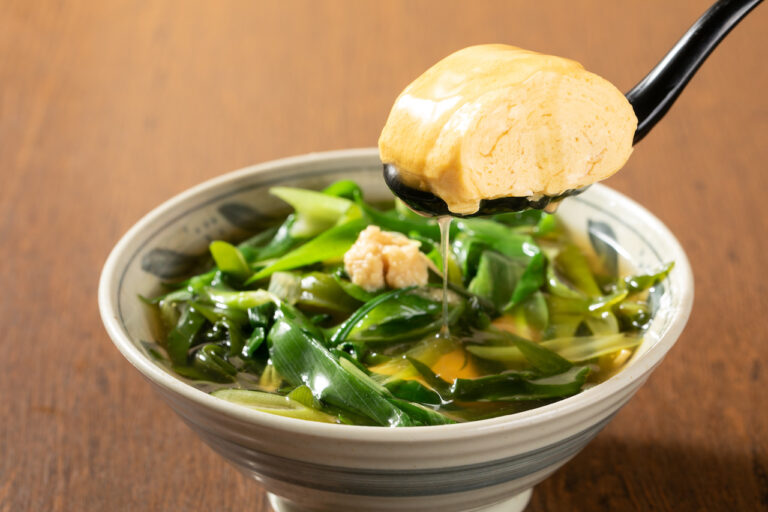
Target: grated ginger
384	258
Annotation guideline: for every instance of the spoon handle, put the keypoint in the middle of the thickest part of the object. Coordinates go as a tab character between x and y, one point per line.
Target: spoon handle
652	97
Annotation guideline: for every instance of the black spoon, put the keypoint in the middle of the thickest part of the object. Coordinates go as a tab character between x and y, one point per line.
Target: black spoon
651	99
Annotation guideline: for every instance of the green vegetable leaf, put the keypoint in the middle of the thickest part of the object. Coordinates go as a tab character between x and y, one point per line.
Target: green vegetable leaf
273	404
548	226
530	217
315	211
182	337
543	359
565	384
262	315
633	315
400	318
531	315
286	286
413	391
229	259
563	325
500	238
195	283
169	317
344	329
643	282
405	225
467	251
181	295
497	278
251	247
559	288
502	386
353	290
573	265
530	281
347	189
454	271
215	314
235	334
255	340
319	290
576	348
420	415
238	300
507	386
582	305
440	386
210	361
303	360
281	243
329	245
602	324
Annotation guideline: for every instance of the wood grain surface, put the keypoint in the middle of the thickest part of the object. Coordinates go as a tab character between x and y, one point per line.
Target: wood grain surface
107	108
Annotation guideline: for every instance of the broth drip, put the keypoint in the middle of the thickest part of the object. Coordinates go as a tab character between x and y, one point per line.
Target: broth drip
445	243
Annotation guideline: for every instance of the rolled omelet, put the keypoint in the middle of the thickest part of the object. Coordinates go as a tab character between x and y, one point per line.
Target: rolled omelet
494	121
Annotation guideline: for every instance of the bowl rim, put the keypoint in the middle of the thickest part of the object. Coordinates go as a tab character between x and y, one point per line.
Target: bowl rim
107	299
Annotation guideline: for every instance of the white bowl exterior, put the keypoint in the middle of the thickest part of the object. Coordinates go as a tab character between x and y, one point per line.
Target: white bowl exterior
339	467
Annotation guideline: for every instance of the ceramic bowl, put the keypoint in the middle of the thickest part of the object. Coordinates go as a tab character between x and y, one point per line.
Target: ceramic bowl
305	466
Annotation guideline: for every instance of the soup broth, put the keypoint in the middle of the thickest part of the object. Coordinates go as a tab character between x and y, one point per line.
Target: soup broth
513	315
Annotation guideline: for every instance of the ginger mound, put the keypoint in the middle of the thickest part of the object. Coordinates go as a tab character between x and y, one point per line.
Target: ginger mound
380	258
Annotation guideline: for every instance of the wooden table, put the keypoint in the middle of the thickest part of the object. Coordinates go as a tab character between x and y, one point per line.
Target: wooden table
109	108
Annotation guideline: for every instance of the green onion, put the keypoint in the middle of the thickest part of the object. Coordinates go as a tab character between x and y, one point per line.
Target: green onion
331	244
575	349
182	337
344	329
273	404
229	259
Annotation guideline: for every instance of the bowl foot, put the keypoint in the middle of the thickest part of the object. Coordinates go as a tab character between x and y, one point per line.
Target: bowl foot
515	504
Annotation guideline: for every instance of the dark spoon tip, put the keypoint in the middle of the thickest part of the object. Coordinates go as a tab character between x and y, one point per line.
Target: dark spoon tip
432	205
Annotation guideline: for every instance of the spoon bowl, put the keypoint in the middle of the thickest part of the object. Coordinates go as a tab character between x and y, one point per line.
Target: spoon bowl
429	204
